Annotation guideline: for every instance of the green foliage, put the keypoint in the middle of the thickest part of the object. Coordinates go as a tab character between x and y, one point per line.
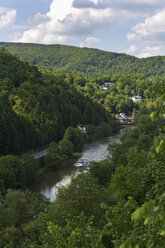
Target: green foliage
16	173
117	97
102	130
102	171
78	232
119	220
11	172
53	157
30	167
37	106
131	184
160	147
66	147
14	129
90	62
19	216
83	194
95	209
74	136
152	215
159	89
152	177
124	182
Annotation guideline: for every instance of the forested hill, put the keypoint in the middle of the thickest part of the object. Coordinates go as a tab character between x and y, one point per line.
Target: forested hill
90	62
36	106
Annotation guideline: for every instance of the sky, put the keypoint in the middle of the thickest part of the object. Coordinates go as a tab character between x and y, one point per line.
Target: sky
135	27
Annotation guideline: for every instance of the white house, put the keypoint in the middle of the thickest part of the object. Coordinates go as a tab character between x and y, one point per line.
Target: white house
136	98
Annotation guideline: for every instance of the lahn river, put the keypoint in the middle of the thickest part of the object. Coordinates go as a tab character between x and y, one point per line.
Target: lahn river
95	151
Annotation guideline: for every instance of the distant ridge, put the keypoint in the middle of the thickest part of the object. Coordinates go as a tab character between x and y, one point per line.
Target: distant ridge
88	61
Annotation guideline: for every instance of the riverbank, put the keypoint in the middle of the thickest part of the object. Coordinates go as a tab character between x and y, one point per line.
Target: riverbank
56	156
49	182
43	170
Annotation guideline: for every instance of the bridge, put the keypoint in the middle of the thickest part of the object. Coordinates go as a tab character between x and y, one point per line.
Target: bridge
124	120
38	153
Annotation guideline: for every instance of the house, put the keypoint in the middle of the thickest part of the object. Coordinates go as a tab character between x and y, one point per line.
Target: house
107	85
122	115
136	98
123	119
82	127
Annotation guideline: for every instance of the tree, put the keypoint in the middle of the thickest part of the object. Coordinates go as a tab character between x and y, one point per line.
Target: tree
66	147
12	172
79	232
159	89
79	80
30	167
83	194
149	221
74	136
119	223
53	157
102	171
19	224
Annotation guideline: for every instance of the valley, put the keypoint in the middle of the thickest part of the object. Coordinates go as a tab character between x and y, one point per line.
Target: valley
48	93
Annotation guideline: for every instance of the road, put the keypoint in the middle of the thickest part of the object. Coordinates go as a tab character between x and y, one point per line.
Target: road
40	154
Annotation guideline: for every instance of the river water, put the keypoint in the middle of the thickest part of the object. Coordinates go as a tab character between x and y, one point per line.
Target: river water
94	151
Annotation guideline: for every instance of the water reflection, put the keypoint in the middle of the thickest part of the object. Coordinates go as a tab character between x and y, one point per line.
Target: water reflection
50	182
94	151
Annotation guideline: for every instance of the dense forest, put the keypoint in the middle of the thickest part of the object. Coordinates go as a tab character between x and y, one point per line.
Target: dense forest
117	97
119	202
90	62
37	106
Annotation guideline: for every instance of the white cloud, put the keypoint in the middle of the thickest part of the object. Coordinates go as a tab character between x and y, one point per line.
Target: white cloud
38	19
152	51
85	3
63	22
131	50
152	30
136	6
150	34
15	36
74	18
69	21
90	42
7	17
59	9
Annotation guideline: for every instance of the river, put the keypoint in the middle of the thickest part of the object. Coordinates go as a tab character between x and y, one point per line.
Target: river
95	151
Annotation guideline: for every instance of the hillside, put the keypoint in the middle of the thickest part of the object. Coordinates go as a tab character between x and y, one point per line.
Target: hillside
89	62
117	202
37	106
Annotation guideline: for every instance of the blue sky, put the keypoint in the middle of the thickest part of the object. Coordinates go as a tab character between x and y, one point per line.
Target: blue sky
135	27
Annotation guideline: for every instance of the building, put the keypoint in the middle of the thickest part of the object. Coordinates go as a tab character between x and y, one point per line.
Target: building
82	127
123	119
136	98
107	85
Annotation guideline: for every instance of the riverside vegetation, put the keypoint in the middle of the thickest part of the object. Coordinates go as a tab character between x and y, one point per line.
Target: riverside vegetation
38	107
120	201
